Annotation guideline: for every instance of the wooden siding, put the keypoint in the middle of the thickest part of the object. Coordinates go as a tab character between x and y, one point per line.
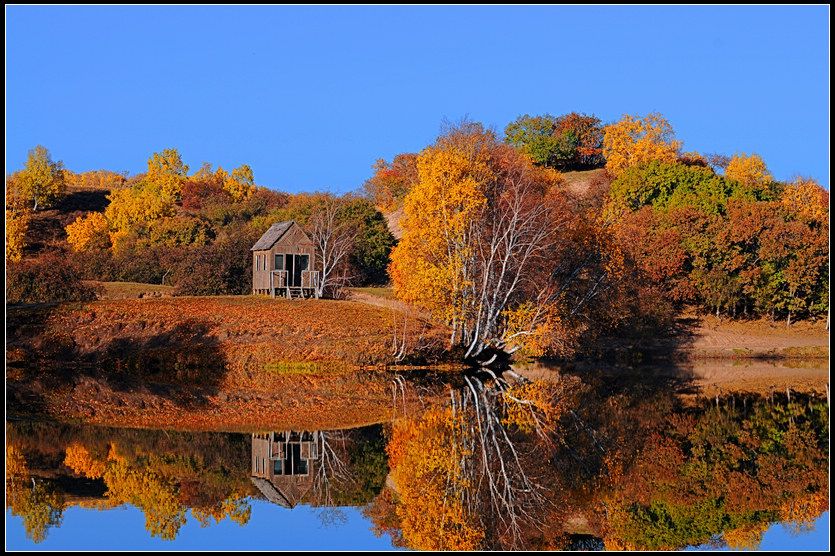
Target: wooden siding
293	242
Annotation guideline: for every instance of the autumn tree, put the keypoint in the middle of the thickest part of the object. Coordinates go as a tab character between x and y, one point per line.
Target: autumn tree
143	202
95	179
461	477
39	504
391	182
633	140
481	241
42	180
750	170
240	184
91	231
806	199
569	142
167	173
18	216
424	457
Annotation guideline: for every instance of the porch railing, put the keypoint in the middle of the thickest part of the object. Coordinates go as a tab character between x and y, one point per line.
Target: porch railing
310	279
278	280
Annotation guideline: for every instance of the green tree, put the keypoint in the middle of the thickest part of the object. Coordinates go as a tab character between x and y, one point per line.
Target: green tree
373	244
571	141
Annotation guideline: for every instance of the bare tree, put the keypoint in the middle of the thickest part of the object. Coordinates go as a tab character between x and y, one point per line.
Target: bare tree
333	238
330	469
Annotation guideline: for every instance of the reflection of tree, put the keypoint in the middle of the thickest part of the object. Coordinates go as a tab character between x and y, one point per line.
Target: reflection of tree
729	469
462	471
152	493
39	505
538	465
157	485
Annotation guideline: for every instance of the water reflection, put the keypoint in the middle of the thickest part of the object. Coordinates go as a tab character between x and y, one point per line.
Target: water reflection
571	464
504	463
168	474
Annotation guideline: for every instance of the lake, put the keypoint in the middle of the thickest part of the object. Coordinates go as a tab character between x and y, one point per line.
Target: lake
559	460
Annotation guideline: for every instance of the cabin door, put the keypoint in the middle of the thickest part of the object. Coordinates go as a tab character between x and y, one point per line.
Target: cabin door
294	265
302	262
290	268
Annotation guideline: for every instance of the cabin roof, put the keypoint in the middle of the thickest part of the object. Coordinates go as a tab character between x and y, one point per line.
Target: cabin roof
286	494
272	235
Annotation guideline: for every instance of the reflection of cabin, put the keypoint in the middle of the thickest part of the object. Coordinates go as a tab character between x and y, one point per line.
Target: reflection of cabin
284	465
282	262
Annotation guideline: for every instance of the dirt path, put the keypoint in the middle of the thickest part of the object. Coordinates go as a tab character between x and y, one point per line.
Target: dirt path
758	336
718	357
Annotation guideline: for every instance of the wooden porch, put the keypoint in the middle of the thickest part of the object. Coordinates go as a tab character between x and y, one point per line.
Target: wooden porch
304	286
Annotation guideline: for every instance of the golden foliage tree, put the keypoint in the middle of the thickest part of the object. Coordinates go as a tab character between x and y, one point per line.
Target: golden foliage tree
749	170
142	203
18	216
42	180
167	172
633	140
746	537
95	179
150	492
240	184
80	460
805	198
430	483
478	223
89	231
39	505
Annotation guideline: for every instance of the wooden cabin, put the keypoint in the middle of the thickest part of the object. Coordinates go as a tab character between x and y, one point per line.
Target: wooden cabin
284	464
282	262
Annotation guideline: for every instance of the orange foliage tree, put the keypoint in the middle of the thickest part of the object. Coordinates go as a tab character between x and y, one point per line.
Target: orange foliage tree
431	484
392	182
749	170
479	223
88	232
805	198
633	141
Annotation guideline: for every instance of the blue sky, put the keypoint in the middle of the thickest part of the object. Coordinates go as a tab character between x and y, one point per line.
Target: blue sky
123	529
311	96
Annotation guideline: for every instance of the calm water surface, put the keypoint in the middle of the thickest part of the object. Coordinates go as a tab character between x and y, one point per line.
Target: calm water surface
502	464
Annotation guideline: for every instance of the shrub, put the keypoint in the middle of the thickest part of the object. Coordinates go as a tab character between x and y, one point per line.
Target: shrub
49	278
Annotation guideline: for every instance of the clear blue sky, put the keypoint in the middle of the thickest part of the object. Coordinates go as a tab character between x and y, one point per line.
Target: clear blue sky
311	96
274	528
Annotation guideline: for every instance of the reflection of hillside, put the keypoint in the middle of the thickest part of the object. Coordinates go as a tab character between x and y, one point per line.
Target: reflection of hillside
615	460
169	474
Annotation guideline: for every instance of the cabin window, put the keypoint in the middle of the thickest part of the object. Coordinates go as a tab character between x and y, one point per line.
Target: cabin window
257	262
279	262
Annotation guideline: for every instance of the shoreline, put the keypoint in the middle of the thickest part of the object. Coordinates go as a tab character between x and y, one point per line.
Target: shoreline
277	372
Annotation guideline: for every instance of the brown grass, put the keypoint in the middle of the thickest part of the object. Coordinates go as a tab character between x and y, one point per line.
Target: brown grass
131	290
244	330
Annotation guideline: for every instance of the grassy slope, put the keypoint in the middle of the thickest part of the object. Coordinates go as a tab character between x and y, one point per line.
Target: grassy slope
207	363
242	329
